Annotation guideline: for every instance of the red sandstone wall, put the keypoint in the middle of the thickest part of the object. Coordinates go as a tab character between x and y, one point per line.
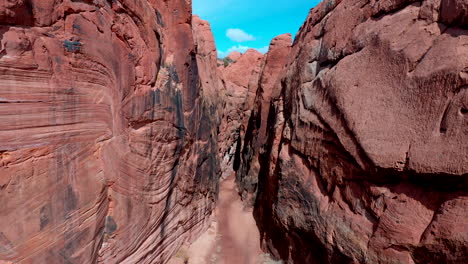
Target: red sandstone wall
106	143
366	153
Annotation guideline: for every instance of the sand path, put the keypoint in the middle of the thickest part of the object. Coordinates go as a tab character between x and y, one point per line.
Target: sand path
232	238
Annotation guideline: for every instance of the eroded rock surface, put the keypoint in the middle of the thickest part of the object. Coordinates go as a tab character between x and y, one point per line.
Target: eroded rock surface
366	157
240	81
235	55
108	141
118	121
255	139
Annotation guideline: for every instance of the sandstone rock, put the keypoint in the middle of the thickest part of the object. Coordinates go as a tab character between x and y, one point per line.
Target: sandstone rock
366	157
255	138
235	55
108	140
118	121
454	13
240	81
210	79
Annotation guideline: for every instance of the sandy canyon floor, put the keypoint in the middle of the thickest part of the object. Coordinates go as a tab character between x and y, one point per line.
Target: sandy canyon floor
232	237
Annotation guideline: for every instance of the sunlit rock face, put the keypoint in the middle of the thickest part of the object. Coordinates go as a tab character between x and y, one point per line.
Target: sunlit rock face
240	78
107	139
118	120
365	159
255	134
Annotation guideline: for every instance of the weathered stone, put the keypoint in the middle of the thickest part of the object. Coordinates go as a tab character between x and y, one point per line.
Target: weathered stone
240	80
255	139
118	121
365	158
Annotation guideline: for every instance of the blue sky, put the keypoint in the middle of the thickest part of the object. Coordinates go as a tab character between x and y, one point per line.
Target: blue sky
242	24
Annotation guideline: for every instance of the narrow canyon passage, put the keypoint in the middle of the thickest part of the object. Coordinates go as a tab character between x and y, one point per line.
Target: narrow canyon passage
232	237
122	124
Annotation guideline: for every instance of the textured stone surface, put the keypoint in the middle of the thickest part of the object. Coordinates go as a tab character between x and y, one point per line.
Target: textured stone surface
366	157
108	144
254	141
118	120
240	81
210	80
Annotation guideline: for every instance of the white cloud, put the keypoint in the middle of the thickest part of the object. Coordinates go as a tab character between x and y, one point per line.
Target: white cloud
241	49
264	49
238	35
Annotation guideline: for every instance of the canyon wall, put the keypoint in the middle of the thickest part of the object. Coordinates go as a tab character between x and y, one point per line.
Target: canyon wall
118	122
240	82
108	139
254	140
362	153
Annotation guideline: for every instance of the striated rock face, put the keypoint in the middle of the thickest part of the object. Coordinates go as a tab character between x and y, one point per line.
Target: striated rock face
108	141
255	139
240	81
365	157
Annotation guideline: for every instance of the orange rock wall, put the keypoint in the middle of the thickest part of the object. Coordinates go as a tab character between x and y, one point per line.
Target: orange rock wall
107	140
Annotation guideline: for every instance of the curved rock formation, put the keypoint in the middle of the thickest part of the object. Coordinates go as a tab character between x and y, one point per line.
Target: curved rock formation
235	55
366	157
108	141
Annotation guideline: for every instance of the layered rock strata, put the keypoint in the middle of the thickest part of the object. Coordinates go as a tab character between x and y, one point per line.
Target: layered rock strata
254	143
108	138
118	121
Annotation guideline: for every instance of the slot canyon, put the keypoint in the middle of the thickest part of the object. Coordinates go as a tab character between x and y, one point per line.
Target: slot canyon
125	139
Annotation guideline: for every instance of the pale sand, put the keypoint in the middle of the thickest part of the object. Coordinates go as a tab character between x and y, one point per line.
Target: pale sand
232	237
